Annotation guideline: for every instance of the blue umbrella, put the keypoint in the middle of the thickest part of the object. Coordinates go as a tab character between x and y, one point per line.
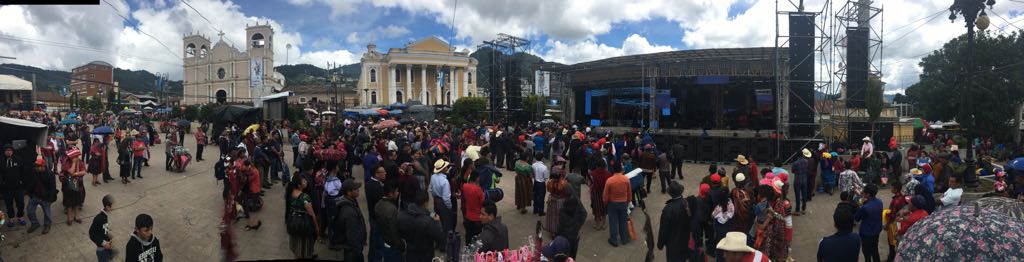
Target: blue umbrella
1016	164
184	122
398	106
102	130
395	112
69	121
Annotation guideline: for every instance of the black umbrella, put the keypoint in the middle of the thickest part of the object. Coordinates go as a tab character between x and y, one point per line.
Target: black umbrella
1010	207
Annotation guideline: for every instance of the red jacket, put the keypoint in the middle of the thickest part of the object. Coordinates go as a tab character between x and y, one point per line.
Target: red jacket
472	201
911	219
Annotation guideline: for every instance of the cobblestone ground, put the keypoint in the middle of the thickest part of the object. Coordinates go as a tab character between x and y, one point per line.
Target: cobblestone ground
187	208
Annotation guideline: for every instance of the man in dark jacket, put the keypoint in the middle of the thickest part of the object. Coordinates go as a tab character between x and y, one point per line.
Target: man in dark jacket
570	219
374	193
350	220
42	191
421	232
99	231
386	212
143	245
674	231
11	171
494	235
844	244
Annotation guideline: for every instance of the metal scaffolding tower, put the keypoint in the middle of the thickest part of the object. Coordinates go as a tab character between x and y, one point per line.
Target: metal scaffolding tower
504	93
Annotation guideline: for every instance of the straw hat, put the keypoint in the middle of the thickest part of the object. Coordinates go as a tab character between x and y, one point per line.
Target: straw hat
734	241
806	152
954	148
742	160
440	166
915	171
740	177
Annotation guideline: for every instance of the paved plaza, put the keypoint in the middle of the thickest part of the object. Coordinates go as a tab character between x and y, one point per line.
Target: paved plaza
187	209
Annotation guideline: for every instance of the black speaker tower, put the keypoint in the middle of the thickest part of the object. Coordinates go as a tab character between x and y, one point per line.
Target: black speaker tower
801	75
856	66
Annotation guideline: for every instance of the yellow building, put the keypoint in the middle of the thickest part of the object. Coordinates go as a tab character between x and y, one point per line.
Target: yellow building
413	73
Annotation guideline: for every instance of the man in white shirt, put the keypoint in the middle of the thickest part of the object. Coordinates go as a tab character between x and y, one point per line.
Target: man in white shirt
951	197
540	177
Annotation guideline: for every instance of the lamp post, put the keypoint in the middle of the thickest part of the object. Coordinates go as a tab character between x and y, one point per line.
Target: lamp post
973	12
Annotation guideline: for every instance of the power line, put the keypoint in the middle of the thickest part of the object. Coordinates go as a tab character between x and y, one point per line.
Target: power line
118	12
936	15
78	47
207	20
1007	21
915	21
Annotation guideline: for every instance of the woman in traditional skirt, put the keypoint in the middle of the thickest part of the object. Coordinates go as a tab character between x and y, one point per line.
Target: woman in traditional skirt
598	176
556	187
73	187
524	182
302	245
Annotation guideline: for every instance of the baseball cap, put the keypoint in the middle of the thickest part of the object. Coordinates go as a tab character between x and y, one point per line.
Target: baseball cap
558	247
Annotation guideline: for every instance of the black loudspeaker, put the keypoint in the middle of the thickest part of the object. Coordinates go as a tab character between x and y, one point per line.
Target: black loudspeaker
762	149
732	147
708	149
859	130
857	52
801	74
689	147
515	85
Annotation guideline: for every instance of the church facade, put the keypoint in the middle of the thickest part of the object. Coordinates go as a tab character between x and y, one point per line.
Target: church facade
429	71
220	73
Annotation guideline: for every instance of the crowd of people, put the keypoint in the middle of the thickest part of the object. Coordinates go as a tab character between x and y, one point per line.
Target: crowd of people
420	178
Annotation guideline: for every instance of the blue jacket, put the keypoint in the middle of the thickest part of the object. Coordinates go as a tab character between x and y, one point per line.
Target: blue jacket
842	246
871	216
928	181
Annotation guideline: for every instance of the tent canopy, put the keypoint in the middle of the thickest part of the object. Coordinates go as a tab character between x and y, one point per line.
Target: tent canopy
17	129
238	114
12	83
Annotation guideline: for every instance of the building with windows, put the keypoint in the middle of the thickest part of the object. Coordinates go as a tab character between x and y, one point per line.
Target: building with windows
322	96
429	71
92	79
220	73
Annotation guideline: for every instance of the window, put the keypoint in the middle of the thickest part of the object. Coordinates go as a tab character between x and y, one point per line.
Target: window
221	73
92	76
258	40
302	100
398	94
373	76
470	78
373	98
398	75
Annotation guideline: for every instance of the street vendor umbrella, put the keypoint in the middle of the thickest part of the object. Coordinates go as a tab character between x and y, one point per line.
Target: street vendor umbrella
330	155
12	129
386	124
102	130
406	121
329	113
69	121
311	111
129	111
920	123
962	232
382	112
1016	164
1008	206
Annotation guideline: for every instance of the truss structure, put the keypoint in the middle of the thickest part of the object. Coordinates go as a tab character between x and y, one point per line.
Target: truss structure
504	94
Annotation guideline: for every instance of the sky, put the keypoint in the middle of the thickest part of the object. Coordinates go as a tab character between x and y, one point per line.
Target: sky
146	34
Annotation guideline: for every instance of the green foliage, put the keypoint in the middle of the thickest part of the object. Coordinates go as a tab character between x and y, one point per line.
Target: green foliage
469	110
997	84
205	113
873	98
306	74
533	105
191	112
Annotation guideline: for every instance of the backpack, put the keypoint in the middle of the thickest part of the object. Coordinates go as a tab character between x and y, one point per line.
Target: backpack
219	171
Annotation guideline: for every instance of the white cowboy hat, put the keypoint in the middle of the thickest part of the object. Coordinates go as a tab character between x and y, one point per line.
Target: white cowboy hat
440	166
806	153
734	241
866	139
740	177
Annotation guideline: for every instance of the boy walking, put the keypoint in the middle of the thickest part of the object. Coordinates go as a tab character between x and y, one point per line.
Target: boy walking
143	245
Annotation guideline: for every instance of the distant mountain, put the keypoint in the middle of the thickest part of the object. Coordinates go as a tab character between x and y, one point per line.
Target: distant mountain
306	74
136	82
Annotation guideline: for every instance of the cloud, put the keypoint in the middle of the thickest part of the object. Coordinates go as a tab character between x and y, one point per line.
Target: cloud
322	42
588	50
303	3
376	34
98	27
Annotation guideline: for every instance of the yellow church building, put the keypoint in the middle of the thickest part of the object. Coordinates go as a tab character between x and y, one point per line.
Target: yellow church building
429	71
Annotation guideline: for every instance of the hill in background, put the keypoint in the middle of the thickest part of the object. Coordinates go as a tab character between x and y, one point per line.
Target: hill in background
136	82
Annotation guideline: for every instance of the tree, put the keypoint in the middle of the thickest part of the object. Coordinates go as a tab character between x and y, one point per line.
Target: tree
874	100
469	110
996	90
900	99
